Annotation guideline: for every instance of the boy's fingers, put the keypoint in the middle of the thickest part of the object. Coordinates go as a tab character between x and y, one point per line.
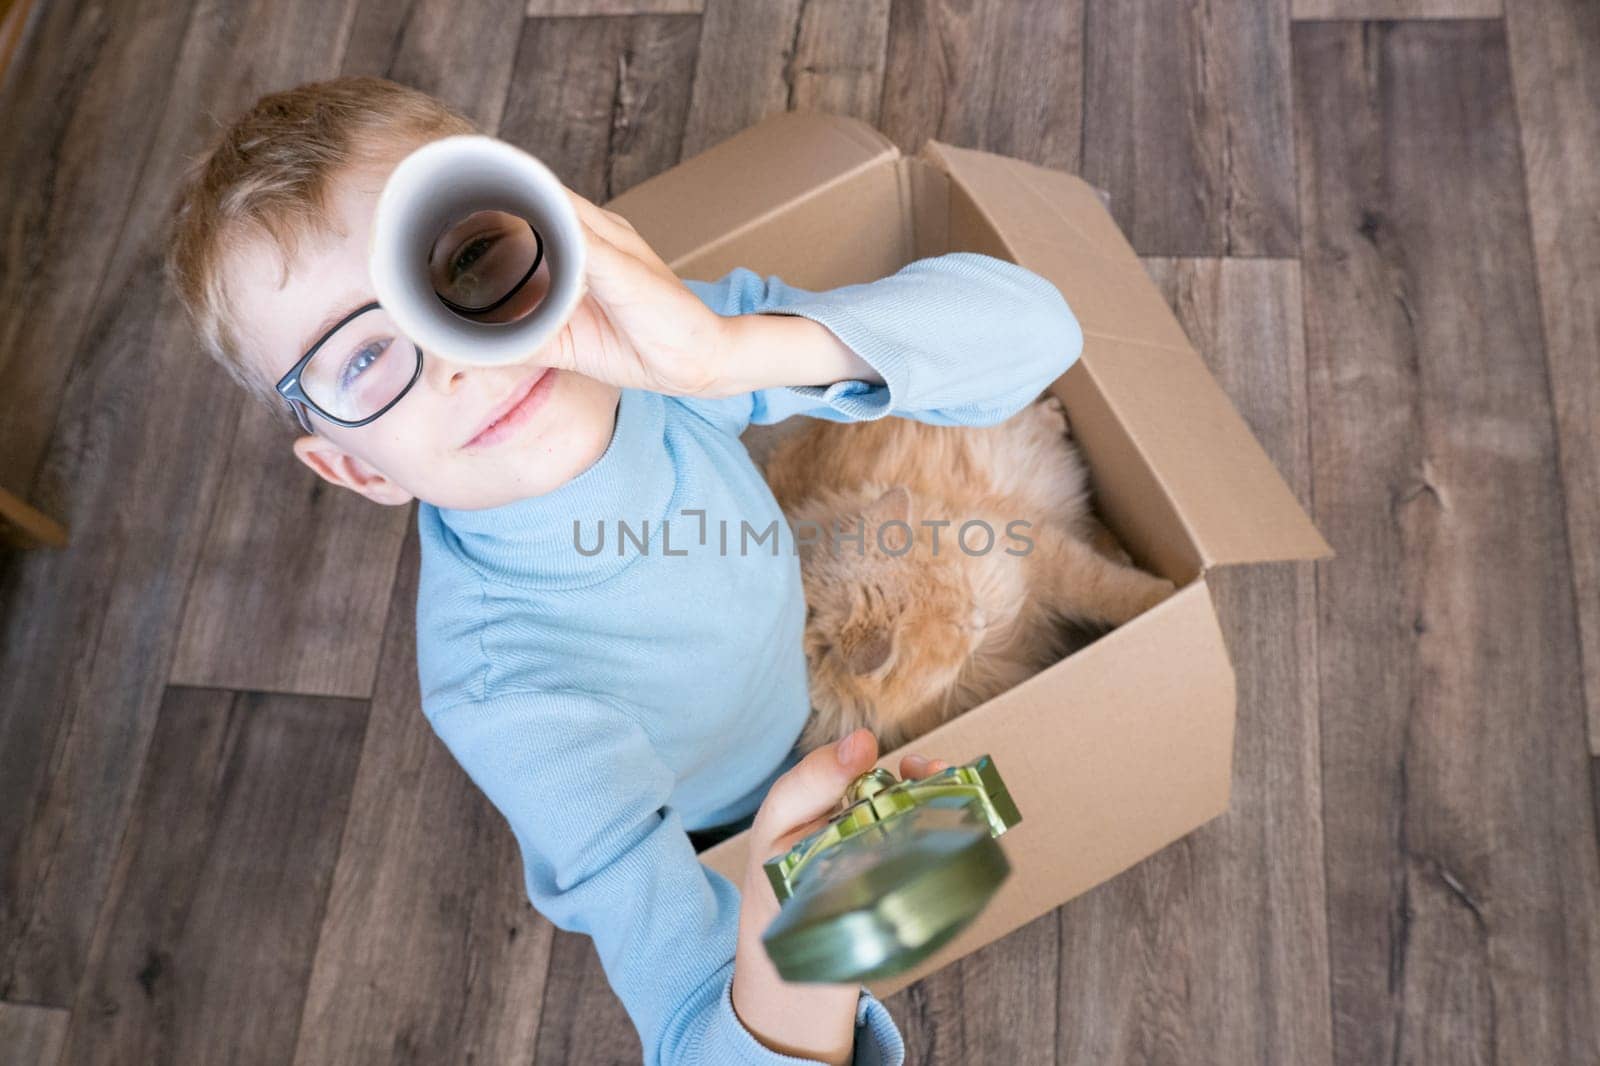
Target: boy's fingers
813	788
914	765
610	225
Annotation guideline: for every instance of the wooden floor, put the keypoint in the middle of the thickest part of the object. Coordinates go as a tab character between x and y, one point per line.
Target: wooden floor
227	834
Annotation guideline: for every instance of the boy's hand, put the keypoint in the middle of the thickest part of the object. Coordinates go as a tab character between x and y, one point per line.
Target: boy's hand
638	325
806	1020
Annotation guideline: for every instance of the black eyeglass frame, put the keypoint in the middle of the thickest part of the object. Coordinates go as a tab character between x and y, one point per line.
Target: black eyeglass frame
294	393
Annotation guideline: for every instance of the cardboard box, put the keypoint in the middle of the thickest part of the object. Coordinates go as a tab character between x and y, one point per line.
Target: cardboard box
1127	744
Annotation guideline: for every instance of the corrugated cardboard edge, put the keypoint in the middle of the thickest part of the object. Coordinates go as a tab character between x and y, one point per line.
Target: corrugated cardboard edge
782	160
1227	493
1109	790
1230	497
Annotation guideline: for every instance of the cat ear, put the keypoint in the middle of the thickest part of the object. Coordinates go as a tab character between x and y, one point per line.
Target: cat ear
893	505
868	656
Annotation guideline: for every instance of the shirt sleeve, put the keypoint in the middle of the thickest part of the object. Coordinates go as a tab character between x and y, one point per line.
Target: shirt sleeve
604	854
959	339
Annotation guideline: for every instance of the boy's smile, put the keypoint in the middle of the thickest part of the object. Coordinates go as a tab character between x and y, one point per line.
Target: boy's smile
464	436
505	420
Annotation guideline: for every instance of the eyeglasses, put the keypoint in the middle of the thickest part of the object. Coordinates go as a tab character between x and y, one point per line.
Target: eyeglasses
364	365
357	371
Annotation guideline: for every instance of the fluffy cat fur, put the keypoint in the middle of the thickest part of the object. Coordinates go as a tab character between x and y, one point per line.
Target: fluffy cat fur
900	643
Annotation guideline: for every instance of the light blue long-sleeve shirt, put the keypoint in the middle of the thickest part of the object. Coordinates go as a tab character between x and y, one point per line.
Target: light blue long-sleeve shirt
607	701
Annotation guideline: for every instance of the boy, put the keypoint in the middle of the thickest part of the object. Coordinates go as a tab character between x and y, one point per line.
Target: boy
607	701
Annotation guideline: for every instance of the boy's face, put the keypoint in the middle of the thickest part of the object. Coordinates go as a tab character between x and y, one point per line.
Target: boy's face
432	444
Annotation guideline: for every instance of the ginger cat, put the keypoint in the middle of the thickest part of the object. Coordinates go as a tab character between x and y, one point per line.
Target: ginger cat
902	637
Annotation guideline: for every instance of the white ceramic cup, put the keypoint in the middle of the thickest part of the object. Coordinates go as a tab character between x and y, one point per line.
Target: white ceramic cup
436	186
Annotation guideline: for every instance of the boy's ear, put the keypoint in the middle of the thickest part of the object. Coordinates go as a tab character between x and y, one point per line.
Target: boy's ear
338	467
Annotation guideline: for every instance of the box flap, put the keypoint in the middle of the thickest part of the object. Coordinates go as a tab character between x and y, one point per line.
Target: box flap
1110	754
1231	500
711	199
1022	199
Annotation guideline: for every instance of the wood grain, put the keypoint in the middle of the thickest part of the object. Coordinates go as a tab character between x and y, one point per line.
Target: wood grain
838	61
583	1022
578	8
602	101
206	940
1006	78
32	1036
293	578
998	1004
1398	9
740	74
85	147
1463	888
434	46
1187	123
133	465
1555	67
429	951
784	55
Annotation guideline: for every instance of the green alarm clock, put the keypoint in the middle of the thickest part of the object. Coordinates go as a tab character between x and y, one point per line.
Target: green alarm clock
903	868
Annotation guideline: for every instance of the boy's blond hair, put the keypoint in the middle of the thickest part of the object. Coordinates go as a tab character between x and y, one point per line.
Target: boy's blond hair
268	175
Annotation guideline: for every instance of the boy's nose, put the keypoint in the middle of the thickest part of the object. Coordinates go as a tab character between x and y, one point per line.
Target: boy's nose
442	375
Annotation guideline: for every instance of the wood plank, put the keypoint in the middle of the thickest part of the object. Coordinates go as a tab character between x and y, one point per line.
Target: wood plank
1218	944
839	56
105	73
1187	123
32	1036
463	56
332	552
997	1004
570	8
1006	78
86	634
1463	881
603	101
740	74
289	555
205	944
1555	70
582	1021
429	950
1397	9
760	59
